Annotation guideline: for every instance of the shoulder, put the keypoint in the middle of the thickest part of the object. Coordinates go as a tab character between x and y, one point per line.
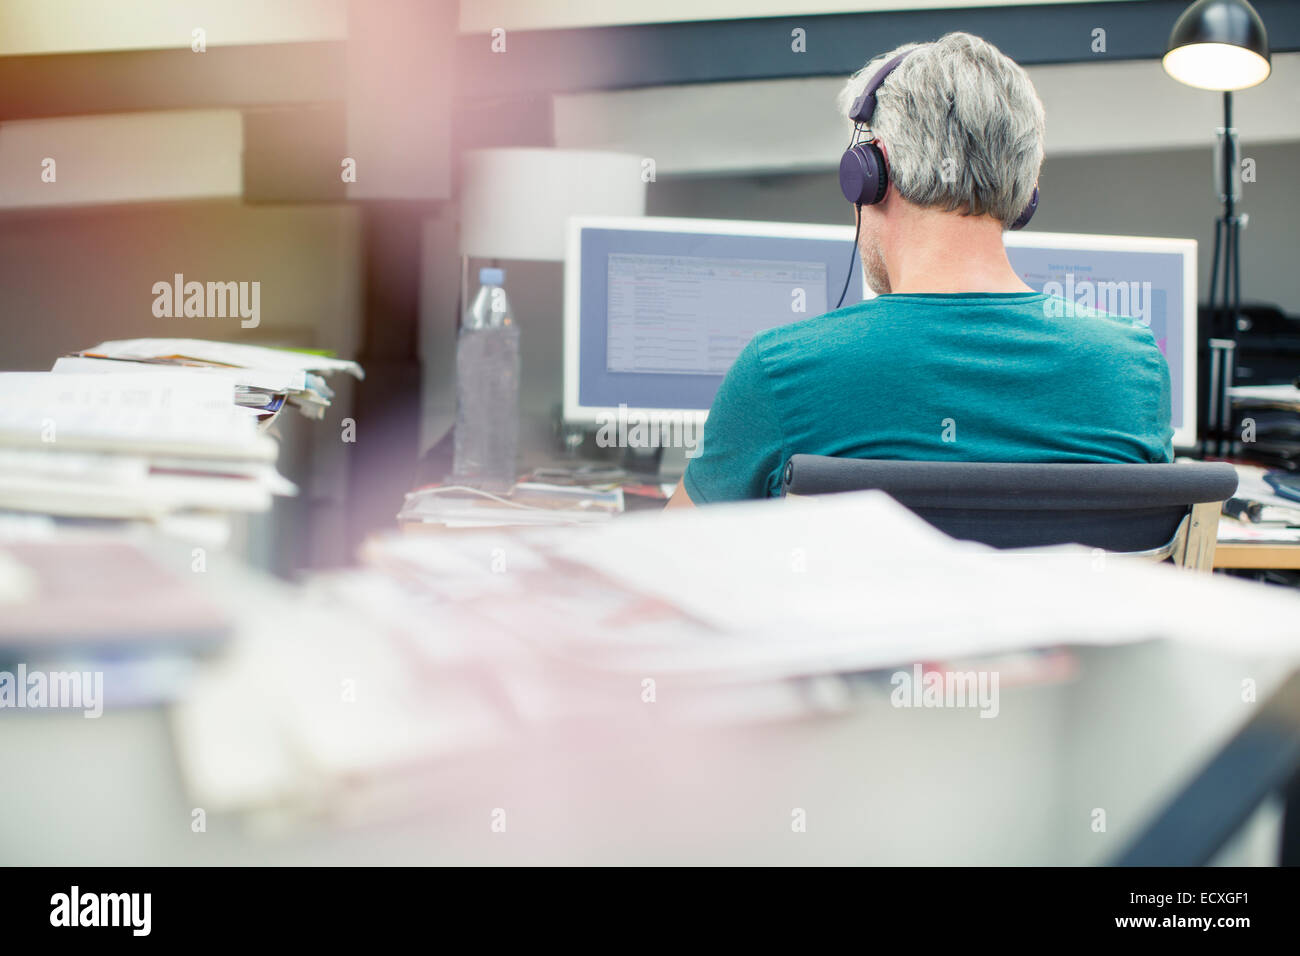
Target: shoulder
1113	340
1117	328
814	334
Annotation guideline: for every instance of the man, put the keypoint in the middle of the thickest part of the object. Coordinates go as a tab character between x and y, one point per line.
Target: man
956	358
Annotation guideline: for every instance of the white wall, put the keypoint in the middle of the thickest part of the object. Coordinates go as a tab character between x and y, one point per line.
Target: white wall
784	125
1154	193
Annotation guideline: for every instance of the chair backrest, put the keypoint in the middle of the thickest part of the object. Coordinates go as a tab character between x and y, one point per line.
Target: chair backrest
1117	507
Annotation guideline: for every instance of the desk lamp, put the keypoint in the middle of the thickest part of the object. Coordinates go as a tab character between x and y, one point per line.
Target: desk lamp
1221	45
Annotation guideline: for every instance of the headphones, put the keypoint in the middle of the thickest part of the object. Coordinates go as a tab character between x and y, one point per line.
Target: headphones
864	175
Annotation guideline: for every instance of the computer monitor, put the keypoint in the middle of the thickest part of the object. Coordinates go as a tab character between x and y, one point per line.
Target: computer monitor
656	310
1152	281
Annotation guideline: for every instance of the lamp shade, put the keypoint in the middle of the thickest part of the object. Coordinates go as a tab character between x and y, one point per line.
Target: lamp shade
515	202
1218	45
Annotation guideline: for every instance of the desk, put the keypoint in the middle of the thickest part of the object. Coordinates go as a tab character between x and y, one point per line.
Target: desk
1257	556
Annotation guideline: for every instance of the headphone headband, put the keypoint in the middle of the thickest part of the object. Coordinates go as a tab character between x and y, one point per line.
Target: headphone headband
865	105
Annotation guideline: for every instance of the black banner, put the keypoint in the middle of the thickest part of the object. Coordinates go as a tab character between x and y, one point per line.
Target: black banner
326	906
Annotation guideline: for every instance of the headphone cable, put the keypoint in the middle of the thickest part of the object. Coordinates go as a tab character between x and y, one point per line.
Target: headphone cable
857	231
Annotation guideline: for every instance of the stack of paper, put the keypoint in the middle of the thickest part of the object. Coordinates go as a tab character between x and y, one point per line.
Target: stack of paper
91	591
264	379
1278	518
529	503
144	445
1268	420
771	589
1275	396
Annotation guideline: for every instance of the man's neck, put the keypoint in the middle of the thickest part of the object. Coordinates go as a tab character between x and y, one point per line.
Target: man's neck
943	252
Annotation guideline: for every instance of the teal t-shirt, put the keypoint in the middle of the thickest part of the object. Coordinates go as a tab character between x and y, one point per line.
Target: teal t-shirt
970	377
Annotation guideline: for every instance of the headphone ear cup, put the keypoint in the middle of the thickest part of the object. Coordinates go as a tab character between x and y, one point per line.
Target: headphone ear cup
863	176
1028	213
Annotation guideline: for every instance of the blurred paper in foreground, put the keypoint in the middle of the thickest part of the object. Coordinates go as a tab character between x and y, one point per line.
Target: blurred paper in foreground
371	689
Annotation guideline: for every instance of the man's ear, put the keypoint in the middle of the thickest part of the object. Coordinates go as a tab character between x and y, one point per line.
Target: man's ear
889	180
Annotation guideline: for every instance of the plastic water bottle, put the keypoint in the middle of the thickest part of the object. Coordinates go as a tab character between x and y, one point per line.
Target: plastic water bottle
487	389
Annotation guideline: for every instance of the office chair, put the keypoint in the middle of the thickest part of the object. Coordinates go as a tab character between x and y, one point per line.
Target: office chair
1162	512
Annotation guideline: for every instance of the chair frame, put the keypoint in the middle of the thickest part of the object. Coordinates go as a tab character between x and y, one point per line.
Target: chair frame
1191	547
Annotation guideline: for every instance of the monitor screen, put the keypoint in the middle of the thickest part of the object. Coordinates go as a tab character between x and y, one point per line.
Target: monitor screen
693	314
658	310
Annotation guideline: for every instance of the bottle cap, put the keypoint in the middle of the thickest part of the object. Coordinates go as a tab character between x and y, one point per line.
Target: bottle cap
491	276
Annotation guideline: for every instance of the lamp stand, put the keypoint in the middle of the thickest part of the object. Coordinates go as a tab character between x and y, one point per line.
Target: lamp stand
1225	289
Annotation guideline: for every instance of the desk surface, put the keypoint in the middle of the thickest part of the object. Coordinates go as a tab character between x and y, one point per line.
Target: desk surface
877	785
1257	555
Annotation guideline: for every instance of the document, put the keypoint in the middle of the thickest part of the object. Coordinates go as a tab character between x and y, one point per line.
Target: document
273	380
187	414
223	353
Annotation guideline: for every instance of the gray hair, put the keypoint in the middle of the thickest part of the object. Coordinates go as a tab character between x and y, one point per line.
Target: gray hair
962	124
